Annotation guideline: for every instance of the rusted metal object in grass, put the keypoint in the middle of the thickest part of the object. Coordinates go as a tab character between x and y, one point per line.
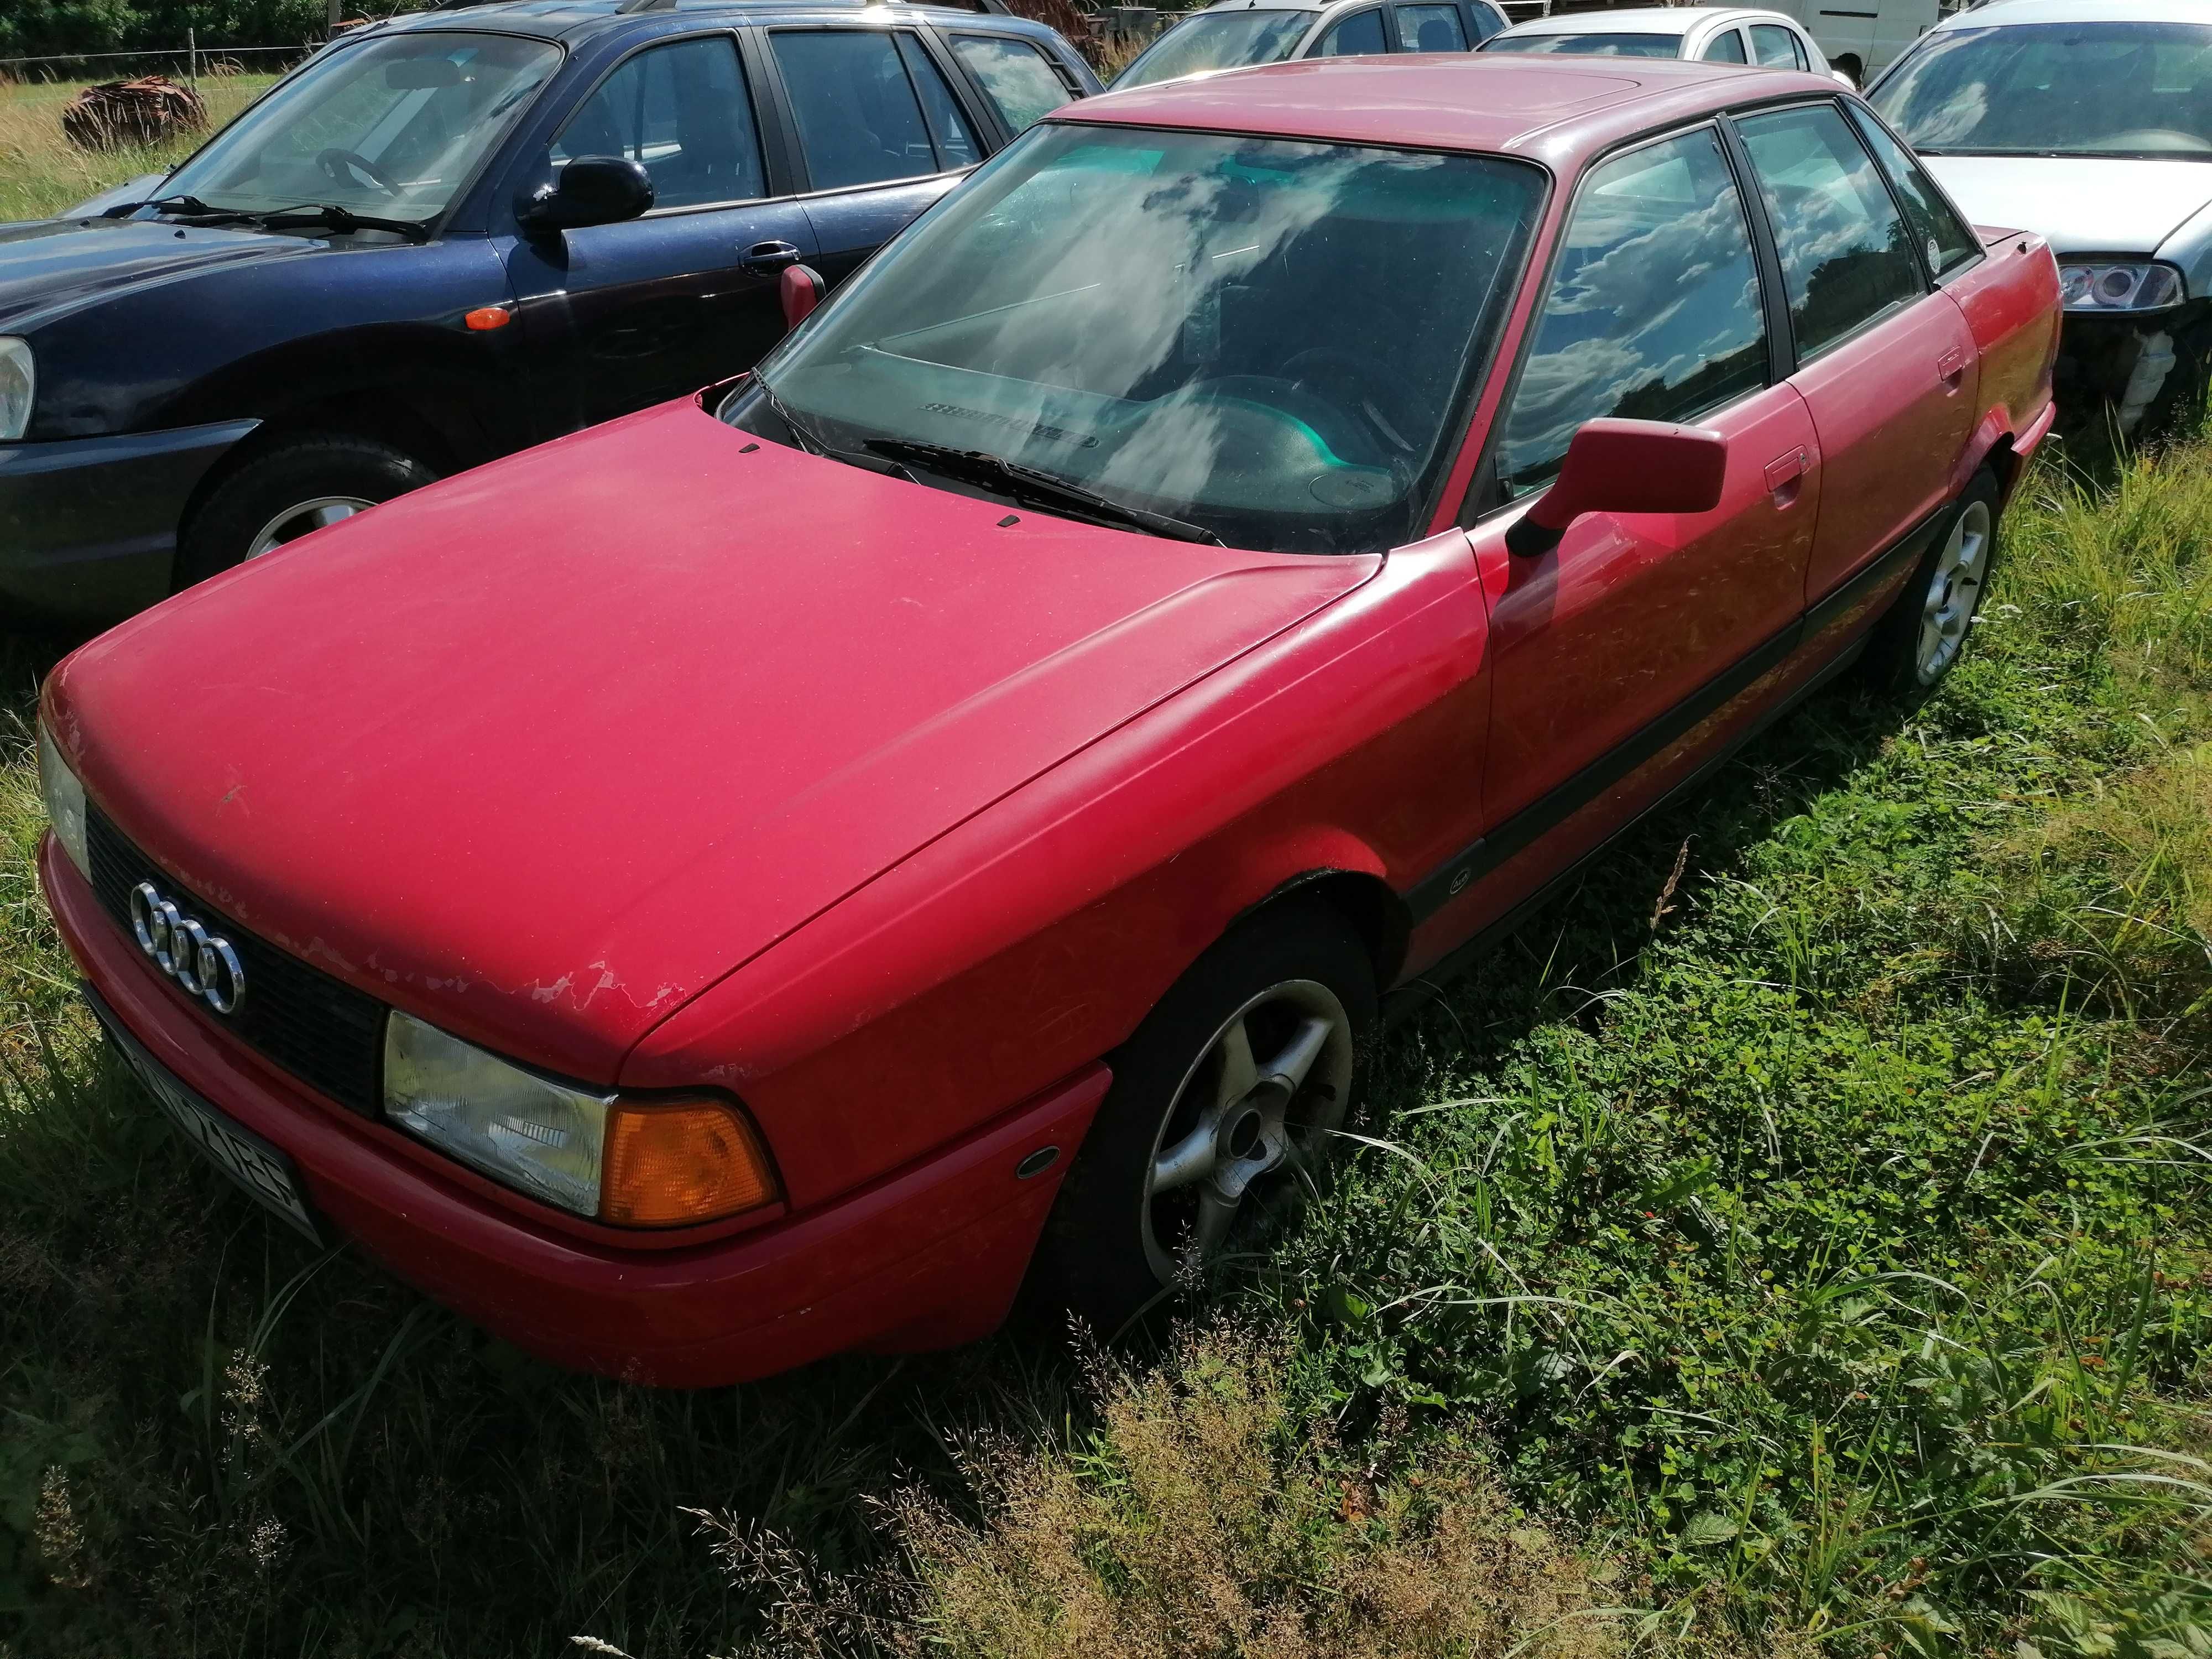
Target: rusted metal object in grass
144	110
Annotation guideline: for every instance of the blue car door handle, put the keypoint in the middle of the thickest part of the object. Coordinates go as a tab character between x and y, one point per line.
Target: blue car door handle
769	256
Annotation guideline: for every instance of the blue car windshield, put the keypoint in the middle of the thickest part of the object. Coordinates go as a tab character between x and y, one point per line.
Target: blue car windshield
392	127
1217	40
1267	338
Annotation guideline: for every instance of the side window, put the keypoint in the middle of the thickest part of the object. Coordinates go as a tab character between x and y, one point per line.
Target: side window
1727	47
1356	36
1846	254
948	125
683	110
860	119
1654	312
1947	241
1488	20
1773	44
1430	29
1015	76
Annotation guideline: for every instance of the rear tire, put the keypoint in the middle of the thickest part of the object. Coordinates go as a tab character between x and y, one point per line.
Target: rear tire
300	485
1202	1127
1921	637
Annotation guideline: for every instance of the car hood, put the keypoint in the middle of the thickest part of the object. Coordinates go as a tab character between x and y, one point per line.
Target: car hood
2079	205
50	266
542	752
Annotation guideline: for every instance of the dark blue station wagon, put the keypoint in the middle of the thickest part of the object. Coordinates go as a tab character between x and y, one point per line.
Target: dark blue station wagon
450	236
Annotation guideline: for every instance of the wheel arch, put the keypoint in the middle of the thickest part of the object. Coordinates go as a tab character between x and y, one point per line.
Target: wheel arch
1375	910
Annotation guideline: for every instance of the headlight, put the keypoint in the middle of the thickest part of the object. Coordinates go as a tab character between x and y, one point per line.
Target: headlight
18	383
635	1163
2143	286
64	802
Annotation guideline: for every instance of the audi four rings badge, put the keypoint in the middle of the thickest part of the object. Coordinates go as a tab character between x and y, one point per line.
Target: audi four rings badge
202	962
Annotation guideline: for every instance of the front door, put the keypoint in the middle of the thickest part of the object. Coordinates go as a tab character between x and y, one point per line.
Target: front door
1608	653
1886	366
629	314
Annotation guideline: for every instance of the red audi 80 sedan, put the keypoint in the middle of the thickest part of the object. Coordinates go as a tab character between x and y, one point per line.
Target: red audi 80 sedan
762	877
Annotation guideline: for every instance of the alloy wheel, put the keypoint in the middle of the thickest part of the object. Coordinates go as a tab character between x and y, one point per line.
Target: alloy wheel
1954	591
295	522
1267	1088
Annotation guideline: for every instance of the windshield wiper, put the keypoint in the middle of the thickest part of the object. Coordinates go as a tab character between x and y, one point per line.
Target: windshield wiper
343	221
1034	488
804	433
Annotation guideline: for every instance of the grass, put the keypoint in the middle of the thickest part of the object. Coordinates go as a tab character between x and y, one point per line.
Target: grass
1797	1240
42	174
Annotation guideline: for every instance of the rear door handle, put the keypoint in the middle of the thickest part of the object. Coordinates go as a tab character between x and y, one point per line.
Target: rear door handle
1950	368
768	256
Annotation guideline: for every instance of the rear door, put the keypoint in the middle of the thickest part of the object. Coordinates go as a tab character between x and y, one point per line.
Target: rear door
1886	364
1021	81
1430	28
1725	46
1609	651
881	132
1775	45
1359	34
624	315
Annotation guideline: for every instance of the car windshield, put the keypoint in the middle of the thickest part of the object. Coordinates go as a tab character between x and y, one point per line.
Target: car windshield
2116	88
1590	45
1262	338
1217	39
392	127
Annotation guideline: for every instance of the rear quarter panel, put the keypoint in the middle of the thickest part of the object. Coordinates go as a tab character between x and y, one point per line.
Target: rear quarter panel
1032	940
2010	300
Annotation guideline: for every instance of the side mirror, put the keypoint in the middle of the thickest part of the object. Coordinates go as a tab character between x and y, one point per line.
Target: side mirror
1624	466
592	190
802	291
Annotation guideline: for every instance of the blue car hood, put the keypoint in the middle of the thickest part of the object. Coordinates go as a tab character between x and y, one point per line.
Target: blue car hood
49	267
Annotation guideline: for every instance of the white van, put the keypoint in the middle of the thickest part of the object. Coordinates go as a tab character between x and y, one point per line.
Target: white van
1859	37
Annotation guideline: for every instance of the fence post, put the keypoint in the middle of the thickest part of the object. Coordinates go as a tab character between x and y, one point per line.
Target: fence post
192	57
337	16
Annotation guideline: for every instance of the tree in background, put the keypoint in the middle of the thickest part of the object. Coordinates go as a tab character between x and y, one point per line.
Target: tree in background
43	27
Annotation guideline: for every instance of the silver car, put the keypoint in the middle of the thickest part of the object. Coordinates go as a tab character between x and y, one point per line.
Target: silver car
1238	34
2090	122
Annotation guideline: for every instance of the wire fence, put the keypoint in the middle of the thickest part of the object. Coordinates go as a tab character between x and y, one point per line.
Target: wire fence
191	59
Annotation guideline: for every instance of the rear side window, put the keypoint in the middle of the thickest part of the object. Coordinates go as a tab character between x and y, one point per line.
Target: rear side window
1846	253
683	112
1358	36
1774	44
1727	47
1430	29
1654	312
1015	76
948	125
1488	20
1949	241
860	118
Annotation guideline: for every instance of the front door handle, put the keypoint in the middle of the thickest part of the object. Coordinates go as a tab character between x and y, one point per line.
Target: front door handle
765	257
1784	475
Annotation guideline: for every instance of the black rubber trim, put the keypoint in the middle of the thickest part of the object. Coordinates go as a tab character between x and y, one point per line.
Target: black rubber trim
1404	1000
1479	857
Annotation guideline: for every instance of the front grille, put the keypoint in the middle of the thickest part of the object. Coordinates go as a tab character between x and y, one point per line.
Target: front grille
325	1033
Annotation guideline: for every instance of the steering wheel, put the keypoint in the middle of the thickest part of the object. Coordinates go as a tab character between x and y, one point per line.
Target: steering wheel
337	163
1350	383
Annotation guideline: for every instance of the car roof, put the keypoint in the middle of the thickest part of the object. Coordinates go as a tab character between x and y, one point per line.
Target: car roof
1640	20
1266	5
572	20
2001	12
1497	103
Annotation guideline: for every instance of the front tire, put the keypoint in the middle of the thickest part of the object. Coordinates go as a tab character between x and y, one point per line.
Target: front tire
300	485
1919	640
1234	1084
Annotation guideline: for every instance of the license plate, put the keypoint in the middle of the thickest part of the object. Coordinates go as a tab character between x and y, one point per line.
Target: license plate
263	1171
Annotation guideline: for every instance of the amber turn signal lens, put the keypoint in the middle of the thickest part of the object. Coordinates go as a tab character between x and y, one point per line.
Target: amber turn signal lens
484	317
671	1163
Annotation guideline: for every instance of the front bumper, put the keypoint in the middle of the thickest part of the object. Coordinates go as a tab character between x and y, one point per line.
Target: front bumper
89	526
2116	365
928	1257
